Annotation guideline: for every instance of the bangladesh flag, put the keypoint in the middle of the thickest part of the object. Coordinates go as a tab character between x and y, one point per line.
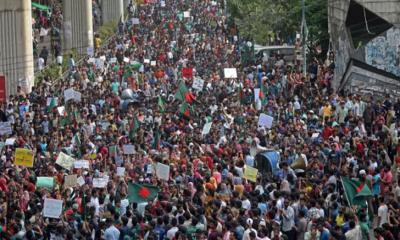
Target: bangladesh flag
140	193
186	110
182	91
356	192
263	94
135	127
53	103
161	104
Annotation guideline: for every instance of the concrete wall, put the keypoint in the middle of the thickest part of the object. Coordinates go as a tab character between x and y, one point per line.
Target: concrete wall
78	25
112	10
16	47
388	10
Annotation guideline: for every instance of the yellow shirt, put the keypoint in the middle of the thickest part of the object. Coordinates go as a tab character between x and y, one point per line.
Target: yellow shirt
327	111
339	220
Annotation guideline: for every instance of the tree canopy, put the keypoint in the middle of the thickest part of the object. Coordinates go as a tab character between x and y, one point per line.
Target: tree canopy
263	20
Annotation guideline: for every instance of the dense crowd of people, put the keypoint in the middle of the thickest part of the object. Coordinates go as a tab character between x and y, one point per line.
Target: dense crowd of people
138	91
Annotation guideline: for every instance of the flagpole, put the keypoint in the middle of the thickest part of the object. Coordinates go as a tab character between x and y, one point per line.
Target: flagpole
345	193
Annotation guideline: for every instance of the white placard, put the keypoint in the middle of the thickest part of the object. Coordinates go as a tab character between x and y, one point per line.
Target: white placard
52	208
100	182
10	141
5	128
81	181
102	58
81	164
43	32
65	161
206	128
77	96
126	59
186	14
162	3
170	55
265	121
162	171
135	21
69	94
198	84
153	63
256	94
230	73
90	51
146	60
48	101
128	149
61	110
113	60
120	171
213	3
315	135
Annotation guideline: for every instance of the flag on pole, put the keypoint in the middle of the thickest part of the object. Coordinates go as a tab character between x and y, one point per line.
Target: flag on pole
161	104
139	193
182	91
356	192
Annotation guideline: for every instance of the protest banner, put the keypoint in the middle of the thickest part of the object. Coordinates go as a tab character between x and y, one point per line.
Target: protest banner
112	150
120	171
250	173
100	182
23	157
45	182
265	120
256	94
52	208
80	181
5	128
230	73
162	171
186	14
69	94
10	141
90	51
70	181
198	84
128	149
135	21
153	63
65	161
81	164
206	128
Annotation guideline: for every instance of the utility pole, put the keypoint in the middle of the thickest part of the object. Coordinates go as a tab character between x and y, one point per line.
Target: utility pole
304	33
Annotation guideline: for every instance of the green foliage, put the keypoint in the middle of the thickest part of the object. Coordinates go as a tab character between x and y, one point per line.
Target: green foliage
261	20
54	70
107	30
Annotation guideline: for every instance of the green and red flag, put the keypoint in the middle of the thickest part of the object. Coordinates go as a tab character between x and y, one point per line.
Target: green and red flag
139	193
182	91
263	94
135	128
161	104
186	110
356	192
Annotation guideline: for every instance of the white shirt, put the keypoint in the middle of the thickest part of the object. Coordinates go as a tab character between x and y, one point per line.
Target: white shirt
354	234
95	203
288	219
40	63
111	233
171	233
246	234
383	214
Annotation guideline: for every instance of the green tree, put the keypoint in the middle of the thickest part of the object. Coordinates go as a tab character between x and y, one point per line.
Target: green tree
262	20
